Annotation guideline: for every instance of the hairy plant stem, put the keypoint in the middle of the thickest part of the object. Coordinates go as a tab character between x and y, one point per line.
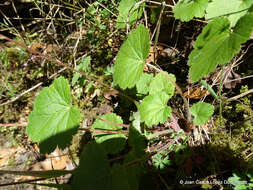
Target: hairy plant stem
158	26
47	174
220	88
22	182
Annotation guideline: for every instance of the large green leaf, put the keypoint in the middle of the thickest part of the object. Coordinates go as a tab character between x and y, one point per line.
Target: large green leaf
233	10
162	83
202	112
94	170
129	12
154	109
185	10
137	142
131	58
120	178
217	44
53	120
133	171
112	143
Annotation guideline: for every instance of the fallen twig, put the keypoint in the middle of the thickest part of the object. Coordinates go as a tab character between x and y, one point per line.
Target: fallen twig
240	95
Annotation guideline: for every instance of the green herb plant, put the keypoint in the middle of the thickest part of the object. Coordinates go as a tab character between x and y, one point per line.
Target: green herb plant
241	182
54	120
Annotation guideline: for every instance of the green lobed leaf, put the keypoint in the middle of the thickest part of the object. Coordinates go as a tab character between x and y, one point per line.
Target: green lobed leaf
162	83
142	85
134	171
202	112
112	143
131	58
154	109
120	178
94	170
217	44
53	120
185	10
84	66
129	12
137	142
233	10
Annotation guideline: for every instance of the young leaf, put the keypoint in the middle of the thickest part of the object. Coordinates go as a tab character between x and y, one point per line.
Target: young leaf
202	112
233	10
162	83
154	109
84	66
185	10
129	12
131	58
94	169
112	143
142	85
53	120
217	45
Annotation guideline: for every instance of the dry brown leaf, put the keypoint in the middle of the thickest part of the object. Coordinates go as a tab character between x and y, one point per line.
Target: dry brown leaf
6	154
55	161
230	78
151	57
108	94
196	93
43	47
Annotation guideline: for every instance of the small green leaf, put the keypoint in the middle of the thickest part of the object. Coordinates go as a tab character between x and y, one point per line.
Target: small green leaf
142	85
94	169
53	120
162	83
233	10
84	66
131	58
202	112
217	44
185	10
112	143
129	12
154	109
